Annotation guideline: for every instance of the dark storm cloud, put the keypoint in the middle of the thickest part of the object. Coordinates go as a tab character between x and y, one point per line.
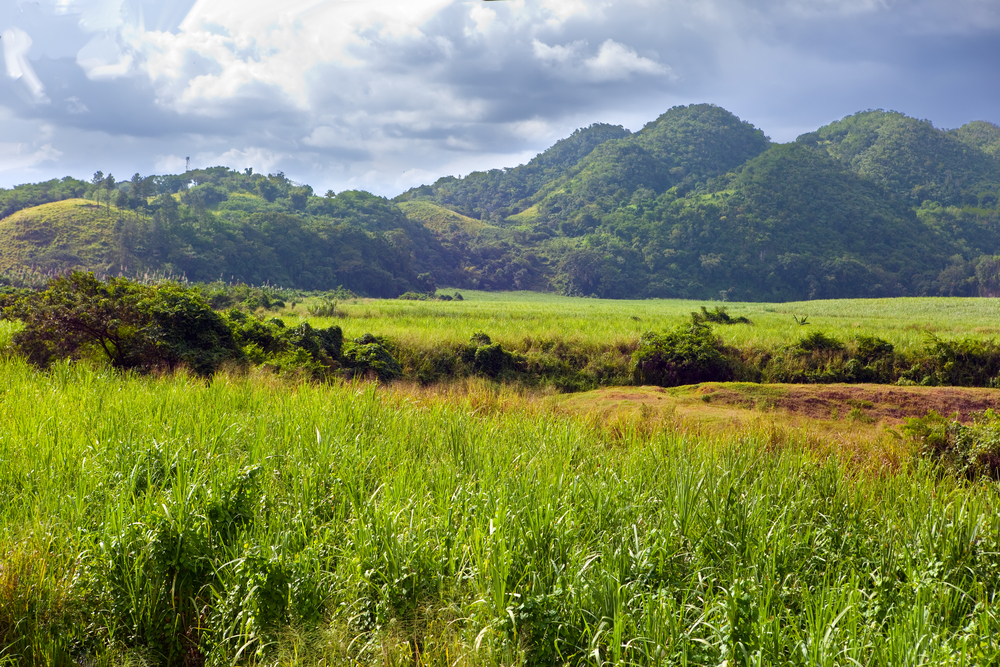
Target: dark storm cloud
387	94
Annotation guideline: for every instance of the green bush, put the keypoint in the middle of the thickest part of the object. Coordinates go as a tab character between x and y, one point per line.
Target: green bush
817	341
687	355
967	451
717	316
370	354
134	326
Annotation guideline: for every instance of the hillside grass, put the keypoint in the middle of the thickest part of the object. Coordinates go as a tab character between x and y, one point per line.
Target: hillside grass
247	520
439	218
72	232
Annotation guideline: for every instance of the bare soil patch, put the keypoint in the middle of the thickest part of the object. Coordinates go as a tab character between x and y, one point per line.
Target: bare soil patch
889	405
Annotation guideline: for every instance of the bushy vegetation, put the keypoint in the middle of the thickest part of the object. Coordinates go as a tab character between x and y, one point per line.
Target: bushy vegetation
34	194
687	355
139	327
968	451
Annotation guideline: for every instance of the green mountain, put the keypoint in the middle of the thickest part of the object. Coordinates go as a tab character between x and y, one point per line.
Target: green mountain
697	204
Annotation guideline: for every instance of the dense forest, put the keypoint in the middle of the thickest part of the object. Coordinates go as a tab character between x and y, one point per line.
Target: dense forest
697	204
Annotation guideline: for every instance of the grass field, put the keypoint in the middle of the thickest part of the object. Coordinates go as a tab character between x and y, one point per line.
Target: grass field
514	317
247	520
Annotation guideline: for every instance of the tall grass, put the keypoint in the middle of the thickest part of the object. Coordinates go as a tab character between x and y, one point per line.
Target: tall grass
171	521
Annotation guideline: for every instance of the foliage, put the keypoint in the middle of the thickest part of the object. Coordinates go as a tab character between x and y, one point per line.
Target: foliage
369	354
967	451
34	194
717	316
687	355
134	326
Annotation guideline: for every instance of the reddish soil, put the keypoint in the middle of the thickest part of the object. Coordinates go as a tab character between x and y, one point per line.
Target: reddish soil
888	403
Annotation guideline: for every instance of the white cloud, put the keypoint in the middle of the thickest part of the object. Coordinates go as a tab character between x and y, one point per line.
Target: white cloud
102	58
16	44
558	54
483	17
612	62
615	62
20	156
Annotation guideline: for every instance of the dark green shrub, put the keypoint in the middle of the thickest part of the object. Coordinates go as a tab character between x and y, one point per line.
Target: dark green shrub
413	296
872	361
687	355
184	329
962	363
717	316
872	349
817	341
492	360
370	354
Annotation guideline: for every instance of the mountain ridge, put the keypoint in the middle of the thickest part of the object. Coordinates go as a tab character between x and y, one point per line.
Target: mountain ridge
697	204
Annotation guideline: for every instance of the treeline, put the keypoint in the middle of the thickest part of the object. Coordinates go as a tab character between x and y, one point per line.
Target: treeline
242	227
28	195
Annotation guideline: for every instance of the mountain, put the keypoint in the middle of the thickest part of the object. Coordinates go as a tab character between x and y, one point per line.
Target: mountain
697	204
912	158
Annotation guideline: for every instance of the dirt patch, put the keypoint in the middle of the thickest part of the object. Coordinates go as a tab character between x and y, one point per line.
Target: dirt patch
885	403
795	405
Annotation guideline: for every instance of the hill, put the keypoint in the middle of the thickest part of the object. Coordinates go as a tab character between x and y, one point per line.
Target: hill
71	233
696	204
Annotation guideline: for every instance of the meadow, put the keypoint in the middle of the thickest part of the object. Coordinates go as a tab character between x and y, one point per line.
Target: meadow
251	520
515	317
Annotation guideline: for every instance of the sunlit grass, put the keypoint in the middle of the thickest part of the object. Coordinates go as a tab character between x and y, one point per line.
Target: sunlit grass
271	522
515	317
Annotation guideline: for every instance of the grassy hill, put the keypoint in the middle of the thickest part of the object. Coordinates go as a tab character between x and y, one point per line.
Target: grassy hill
75	233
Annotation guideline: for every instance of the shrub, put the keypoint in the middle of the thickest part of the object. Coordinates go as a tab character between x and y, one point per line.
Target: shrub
492	360
687	355
369	354
717	316
967	451
817	341
963	363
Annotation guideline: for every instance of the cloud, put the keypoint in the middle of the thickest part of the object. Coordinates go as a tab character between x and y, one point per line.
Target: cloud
16	44
16	157
377	93
612	62
615	62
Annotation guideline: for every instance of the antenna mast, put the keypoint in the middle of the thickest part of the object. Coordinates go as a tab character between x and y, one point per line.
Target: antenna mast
187	164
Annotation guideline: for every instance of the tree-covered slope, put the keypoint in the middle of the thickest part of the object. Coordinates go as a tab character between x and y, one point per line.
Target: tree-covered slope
700	141
911	157
490	195
983	135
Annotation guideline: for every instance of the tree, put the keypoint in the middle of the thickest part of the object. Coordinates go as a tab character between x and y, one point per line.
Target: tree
109	185
134	326
98	183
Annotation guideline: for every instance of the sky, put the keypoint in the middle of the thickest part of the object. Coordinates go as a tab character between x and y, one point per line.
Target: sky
384	95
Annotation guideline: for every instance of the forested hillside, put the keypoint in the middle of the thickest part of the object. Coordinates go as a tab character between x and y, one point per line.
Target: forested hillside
697	204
